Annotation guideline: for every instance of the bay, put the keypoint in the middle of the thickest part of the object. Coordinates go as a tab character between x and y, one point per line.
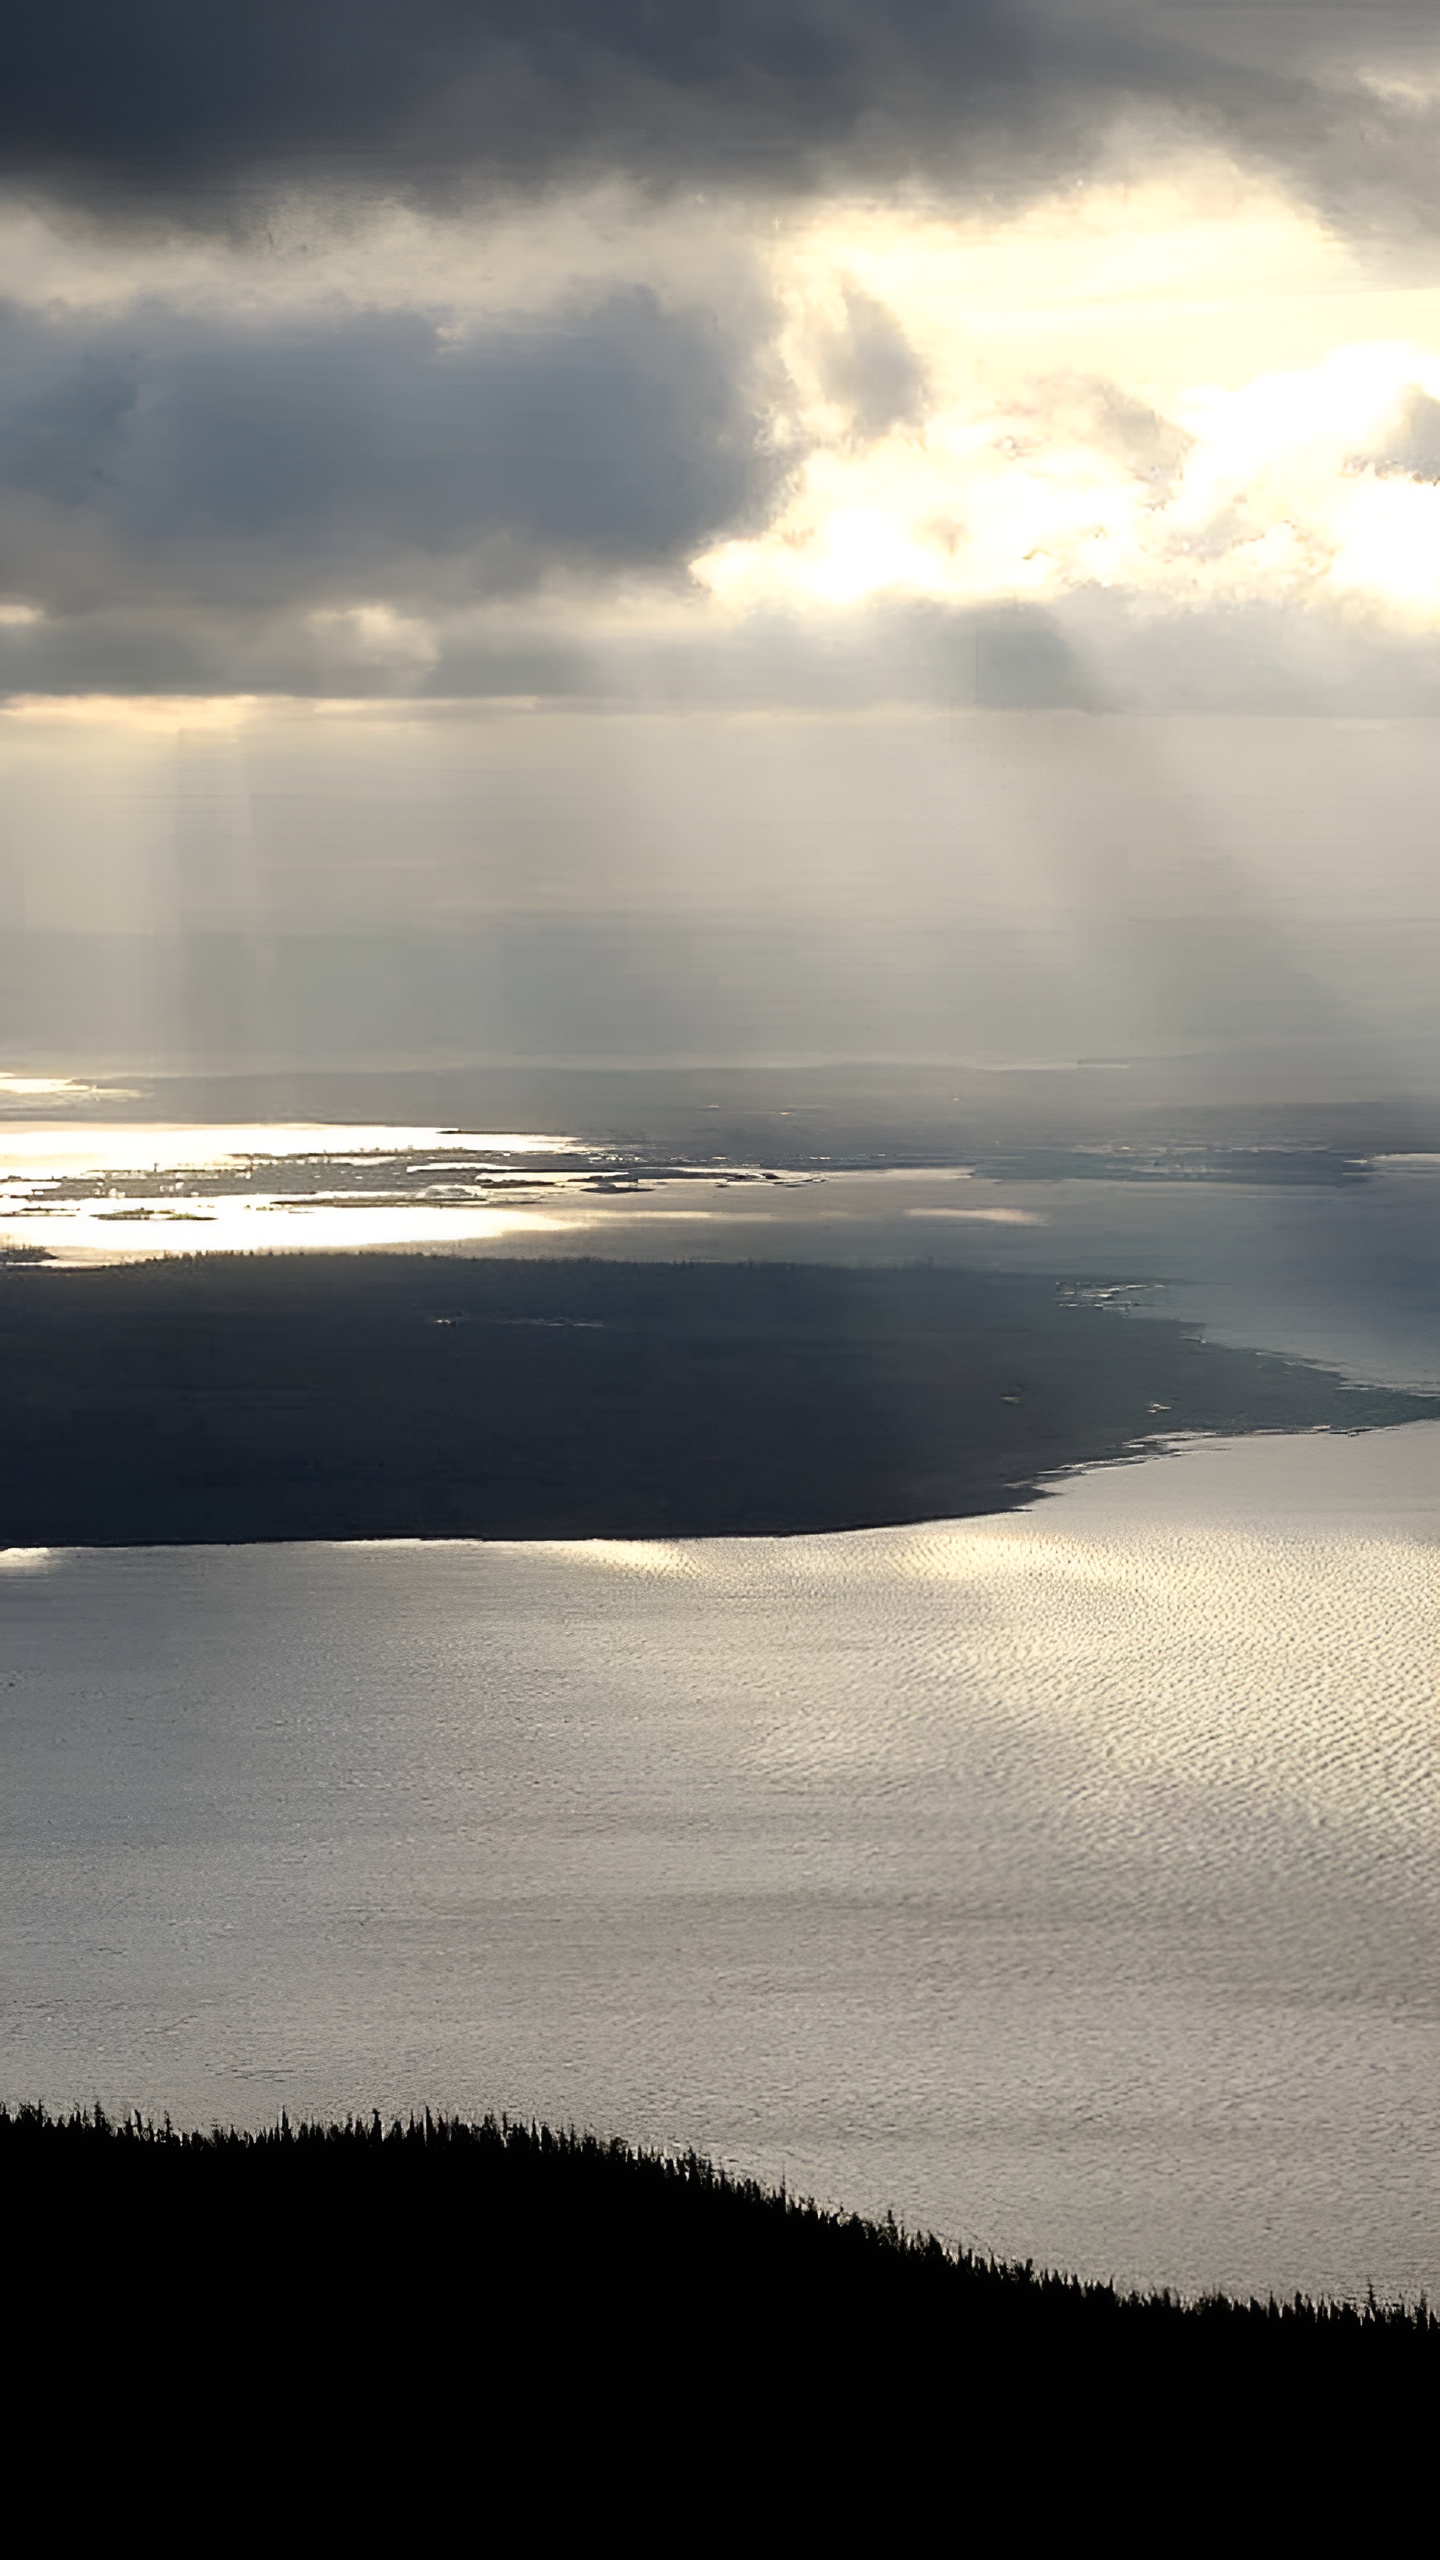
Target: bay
1066	1881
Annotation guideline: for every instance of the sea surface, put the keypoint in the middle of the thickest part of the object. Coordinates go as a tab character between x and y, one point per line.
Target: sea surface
1066	1882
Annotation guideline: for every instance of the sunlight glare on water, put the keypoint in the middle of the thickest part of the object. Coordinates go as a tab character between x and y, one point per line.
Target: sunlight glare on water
1066	1881
111	1192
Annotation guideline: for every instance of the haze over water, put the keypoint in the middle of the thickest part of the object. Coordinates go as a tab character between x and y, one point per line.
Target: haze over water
1066	1881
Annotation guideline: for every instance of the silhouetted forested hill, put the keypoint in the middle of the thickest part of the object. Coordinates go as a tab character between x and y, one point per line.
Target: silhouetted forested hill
555	2328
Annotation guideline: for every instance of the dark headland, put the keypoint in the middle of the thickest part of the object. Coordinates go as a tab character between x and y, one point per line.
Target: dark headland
363	1396
366	2312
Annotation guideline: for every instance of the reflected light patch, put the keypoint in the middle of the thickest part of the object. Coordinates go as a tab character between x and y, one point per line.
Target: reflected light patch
646	1558
59	1089
267	1224
44	1147
985	1217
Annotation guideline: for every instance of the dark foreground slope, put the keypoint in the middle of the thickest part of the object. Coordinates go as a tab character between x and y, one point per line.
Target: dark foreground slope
340	1396
616	2329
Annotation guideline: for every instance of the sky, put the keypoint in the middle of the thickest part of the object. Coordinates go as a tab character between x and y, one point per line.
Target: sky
654	473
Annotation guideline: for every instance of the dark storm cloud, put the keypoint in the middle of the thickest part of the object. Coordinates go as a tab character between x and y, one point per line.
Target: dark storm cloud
1090	653
164	101
160	96
168	458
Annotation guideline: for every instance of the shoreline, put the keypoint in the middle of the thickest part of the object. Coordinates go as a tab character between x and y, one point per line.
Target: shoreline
227	1401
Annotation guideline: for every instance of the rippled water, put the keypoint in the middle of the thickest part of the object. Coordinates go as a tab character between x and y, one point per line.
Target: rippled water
1067	1881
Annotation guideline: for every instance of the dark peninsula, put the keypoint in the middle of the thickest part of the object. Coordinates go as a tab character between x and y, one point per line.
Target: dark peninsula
371	1396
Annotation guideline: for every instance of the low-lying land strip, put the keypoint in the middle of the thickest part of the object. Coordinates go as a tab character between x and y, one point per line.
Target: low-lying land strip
344	1396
